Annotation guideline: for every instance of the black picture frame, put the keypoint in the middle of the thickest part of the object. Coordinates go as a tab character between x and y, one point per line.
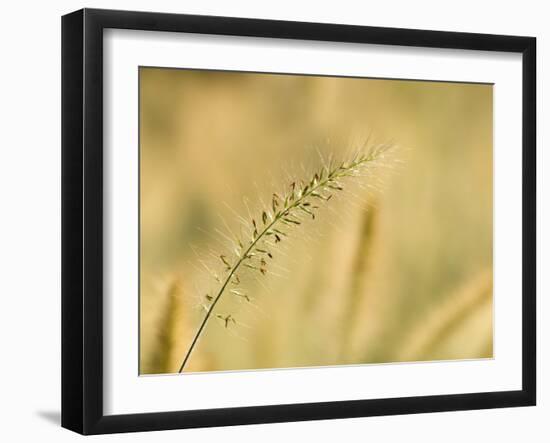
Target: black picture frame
82	220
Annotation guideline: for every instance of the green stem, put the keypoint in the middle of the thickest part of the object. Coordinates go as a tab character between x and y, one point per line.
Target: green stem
331	176
218	296
236	266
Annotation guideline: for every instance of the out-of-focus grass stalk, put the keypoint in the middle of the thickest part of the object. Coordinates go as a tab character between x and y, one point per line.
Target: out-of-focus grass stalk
160	360
357	277
443	322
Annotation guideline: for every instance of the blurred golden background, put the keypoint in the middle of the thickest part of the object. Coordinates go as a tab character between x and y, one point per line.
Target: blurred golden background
399	273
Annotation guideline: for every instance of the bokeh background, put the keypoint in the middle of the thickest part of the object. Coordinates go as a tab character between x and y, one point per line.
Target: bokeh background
397	271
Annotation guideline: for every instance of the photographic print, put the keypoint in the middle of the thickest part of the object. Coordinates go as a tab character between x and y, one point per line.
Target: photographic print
276	221
293	221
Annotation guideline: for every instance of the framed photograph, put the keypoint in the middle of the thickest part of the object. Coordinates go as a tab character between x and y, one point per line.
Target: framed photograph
269	221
